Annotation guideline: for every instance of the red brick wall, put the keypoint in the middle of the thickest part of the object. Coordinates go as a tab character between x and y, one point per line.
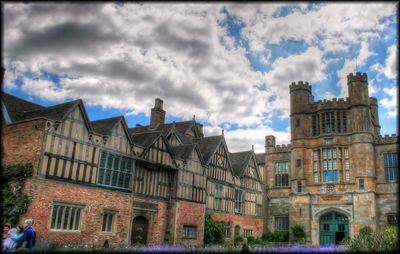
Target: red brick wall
191	214
44	192
22	143
245	222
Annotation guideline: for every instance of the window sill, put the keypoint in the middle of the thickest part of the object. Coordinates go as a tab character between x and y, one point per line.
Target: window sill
64	231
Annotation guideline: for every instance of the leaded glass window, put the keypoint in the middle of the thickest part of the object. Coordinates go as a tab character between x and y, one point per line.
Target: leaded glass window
281	173
329	164
114	170
282	223
66	217
391	166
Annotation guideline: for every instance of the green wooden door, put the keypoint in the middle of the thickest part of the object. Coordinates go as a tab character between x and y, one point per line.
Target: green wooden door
333	227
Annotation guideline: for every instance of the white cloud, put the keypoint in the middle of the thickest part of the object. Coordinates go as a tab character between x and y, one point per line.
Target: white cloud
390	103
242	139
334	25
391	63
307	66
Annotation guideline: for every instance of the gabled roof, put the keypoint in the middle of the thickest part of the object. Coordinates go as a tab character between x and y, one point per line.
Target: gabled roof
207	146
16	107
260	157
56	112
182	137
183	152
104	126
239	162
146	139
165	127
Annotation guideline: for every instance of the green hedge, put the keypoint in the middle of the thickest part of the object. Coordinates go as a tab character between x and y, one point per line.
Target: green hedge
213	230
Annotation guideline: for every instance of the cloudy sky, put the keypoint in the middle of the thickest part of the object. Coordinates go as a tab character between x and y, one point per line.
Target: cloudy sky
228	64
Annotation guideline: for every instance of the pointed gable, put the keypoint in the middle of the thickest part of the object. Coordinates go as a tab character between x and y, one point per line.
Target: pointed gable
156	148
115	130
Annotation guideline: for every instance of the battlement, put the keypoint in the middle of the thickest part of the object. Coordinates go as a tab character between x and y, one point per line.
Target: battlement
300	86
333	103
283	148
358	77
387	139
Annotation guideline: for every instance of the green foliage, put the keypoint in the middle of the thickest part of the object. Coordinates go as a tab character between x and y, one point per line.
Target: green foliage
239	238
277	236
15	203
22	250
251	239
385	240
245	248
298	232
213	230
365	231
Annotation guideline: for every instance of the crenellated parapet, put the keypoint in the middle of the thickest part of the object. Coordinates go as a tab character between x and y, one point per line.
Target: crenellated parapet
300	85
357	78
387	139
334	103
282	148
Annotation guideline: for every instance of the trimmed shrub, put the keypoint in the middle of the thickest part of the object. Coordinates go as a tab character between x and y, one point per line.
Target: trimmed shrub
298	232
251	239
239	238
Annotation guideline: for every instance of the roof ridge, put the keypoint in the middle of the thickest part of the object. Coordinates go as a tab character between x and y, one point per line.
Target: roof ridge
114	117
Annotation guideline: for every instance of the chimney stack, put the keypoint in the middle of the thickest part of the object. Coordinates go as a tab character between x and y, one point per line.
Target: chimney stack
157	113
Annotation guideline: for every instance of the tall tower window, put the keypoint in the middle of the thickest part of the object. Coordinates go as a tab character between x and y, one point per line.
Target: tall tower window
314	125
329	164
315	165
281	173
391	166
347	164
331	122
334	164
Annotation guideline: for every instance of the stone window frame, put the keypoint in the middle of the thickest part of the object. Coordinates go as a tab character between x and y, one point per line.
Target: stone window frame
110	220
361	184
278	223
281	173
338	160
391	166
189	232
392	219
57	207
247	232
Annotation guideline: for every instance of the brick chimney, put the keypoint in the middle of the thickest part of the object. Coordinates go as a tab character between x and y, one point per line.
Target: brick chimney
157	113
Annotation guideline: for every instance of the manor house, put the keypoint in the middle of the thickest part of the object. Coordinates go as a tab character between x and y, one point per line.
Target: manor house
103	179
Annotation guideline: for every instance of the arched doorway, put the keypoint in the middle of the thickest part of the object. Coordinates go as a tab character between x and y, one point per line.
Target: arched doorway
333	227
237	231
139	230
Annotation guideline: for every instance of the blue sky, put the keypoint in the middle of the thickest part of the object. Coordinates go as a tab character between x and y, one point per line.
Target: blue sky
228	64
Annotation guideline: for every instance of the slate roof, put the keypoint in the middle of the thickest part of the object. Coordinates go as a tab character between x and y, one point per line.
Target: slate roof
16	107
145	139
185	139
207	145
20	110
260	157
239	161
183	151
165	127
56	112
104	126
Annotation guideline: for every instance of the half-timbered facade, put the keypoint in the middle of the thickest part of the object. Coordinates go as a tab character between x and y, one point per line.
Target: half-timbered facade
98	180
